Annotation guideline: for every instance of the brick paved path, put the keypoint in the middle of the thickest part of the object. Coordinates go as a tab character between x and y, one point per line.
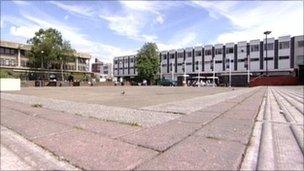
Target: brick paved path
213	137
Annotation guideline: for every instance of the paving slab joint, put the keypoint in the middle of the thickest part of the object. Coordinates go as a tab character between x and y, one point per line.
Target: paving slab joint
59	158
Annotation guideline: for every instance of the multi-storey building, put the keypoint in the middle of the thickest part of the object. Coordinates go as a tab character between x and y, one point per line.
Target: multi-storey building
13	56
102	70
284	57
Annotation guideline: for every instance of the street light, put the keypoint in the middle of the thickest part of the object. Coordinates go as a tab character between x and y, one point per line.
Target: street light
42	52
266	33
229	71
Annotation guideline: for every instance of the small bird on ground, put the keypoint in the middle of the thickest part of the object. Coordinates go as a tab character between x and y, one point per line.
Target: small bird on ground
122	92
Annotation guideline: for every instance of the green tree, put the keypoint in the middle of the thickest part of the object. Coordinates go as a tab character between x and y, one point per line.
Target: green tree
49	48
148	62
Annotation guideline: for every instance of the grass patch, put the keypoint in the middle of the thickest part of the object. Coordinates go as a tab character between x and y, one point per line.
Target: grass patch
79	128
37	105
134	124
213	138
78	114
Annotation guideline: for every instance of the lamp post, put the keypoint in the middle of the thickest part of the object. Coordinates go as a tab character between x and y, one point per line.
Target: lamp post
185	76
248	70
213	78
42	52
172	73
229	71
266	33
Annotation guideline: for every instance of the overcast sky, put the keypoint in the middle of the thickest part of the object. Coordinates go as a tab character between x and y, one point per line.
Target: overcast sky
112	28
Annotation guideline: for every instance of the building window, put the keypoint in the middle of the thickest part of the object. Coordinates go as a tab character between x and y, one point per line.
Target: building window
254	48
1	61
13	62
189	54
229	50
13	51
218	51
198	53
301	43
7	51
242	49
254	59
218	62
208	52
7	62
284	45
180	55
196	65
22	52
171	56
1	50
283	57
164	56
268	59
269	46
188	63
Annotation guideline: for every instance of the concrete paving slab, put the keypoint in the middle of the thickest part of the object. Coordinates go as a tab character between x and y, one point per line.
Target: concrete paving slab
220	107
17	153
30	127
110	129
201	117
198	153
162	136
236	113
94	152
228	129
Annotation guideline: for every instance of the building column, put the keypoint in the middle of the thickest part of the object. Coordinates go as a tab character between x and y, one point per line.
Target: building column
19	58
76	64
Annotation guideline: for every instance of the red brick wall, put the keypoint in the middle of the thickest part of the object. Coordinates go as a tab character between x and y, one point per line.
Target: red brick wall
274	80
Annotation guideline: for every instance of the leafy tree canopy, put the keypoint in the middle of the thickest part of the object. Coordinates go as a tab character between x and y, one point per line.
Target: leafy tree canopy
148	62
48	46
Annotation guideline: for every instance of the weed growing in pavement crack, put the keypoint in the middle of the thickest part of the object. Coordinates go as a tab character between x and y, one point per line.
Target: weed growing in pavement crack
77	127
36	105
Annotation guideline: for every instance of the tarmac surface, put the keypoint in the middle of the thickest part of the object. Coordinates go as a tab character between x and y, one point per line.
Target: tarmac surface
217	128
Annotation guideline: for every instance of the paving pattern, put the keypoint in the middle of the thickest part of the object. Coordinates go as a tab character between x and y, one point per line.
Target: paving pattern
259	128
277	141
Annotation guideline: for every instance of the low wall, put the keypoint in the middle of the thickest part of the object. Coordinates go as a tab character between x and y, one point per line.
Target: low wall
10	84
274	80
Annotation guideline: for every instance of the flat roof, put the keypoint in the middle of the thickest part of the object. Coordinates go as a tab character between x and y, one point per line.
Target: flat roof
15	45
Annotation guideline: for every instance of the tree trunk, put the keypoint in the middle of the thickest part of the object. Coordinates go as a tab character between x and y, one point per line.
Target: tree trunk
61	68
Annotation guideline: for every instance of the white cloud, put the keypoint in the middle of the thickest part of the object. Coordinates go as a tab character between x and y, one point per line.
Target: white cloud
20	2
23	31
66	17
250	20
185	39
75	9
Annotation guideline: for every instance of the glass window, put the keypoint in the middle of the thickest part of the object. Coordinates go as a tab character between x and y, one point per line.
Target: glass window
13	62
284	45
189	54
218	51
208	52
269	46
198	53
254	48
164	56
7	62
22	52
229	50
242	49
1	61
7	51
180	55
283	57
13	51
301	43
1	50
171	56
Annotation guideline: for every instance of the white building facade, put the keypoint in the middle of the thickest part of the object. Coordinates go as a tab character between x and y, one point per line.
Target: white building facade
284	56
